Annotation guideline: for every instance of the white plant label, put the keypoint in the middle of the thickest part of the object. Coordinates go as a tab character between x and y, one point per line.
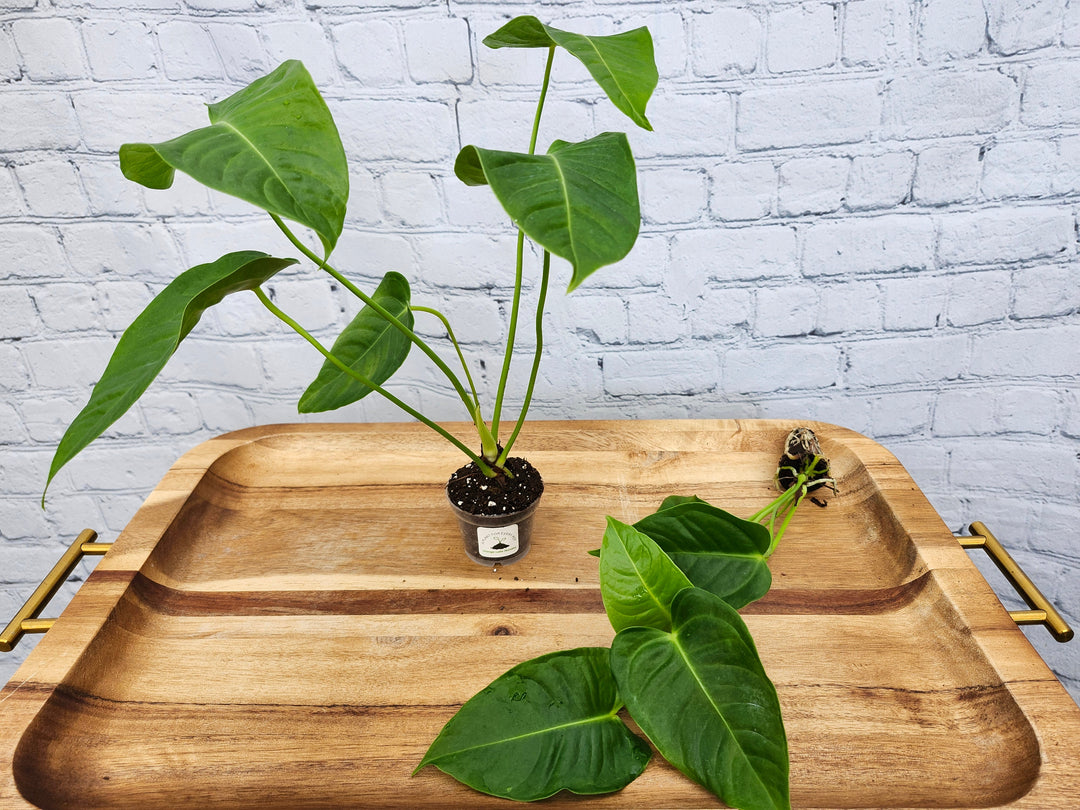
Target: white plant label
496	543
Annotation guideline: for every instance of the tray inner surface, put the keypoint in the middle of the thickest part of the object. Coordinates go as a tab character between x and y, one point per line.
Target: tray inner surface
305	626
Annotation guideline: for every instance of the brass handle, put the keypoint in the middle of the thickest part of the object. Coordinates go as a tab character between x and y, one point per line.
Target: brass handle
1042	612
26	620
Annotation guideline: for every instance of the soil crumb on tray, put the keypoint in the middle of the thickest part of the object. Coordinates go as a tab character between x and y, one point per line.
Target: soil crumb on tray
474	492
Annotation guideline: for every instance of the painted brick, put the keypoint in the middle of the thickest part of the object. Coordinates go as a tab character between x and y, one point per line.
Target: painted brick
51	188
119	50
812	185
786	311
105	466
12	430
30	252
1070	36
108	120
1019	169
107	190
469	261
1026	410
77	362
801	38
755	252
304	41
188	51
1025	353
742	190
938	104
46	121
964	412
1033	466
51	48
602	318
397	130
849	306
947	174
879	181
13	373
900	414
438	50
660	371
1003	235
10	67
693	124
877	32
1051	94
790	366
951	29
1023	25
726	41
647	265
1066	179
46	418
1045	292
656	319
11	204
239	49
308	300
65	307
127	249
842	111
914	303
914	359
410	198
672	195
720	312
882	244
976	298
370	52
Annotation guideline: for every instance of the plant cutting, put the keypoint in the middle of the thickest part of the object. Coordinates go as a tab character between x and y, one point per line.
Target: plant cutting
682	663
275	144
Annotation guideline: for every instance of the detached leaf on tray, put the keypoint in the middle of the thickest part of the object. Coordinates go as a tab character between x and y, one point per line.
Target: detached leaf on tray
718	551
548	724
638	580
707	668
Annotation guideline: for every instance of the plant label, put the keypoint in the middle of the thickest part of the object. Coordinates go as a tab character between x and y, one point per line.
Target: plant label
497	543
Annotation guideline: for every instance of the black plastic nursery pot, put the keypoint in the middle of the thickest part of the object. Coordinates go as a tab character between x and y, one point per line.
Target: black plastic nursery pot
495	514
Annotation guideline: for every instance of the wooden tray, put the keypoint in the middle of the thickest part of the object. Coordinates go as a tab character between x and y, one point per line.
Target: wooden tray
290	619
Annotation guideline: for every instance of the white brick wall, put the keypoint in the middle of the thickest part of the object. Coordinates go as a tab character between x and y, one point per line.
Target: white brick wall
862	211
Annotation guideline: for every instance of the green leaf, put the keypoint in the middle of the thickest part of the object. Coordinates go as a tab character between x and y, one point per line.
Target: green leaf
702	696
718	551
579	201
274	144
638	581
370	345
546	725
622	64
153	337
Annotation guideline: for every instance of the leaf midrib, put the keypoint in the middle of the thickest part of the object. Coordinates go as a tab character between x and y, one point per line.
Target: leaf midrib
232	127
600	718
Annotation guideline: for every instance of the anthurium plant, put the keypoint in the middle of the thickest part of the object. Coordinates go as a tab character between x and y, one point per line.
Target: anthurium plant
275	145
682	663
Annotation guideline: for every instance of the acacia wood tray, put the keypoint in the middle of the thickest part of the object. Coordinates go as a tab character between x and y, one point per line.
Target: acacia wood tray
290	619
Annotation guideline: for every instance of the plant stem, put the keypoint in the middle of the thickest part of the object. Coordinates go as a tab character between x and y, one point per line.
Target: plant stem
296	327
536	359
782	506
520	261
386	314
457	348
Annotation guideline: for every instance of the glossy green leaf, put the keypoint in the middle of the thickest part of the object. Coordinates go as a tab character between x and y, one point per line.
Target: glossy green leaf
153	337
579	201
707	668
548	724
274	144
638	581
718	551
370	345
622	64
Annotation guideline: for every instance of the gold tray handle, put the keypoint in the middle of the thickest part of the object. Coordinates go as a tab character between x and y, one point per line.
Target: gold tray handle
26	620
1042	612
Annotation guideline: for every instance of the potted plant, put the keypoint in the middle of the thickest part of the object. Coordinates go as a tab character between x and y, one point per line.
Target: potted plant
275	145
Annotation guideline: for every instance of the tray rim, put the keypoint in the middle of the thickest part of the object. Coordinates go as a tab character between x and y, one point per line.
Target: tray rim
1053	715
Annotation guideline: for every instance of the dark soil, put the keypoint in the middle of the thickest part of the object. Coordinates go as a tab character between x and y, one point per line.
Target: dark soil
473	492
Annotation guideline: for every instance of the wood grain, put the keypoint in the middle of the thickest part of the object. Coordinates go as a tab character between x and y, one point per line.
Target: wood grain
289	620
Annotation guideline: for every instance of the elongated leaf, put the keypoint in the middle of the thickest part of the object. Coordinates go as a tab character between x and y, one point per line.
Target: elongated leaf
707	668
369	345
622	64
718	551
274	144
146	345
638	581
579	201
546	725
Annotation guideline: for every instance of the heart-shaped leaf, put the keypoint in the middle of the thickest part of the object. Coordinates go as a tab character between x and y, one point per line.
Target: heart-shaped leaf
707	668
369	345
718	551
274	144
579	201
153	337
548	724
638	581
622	64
